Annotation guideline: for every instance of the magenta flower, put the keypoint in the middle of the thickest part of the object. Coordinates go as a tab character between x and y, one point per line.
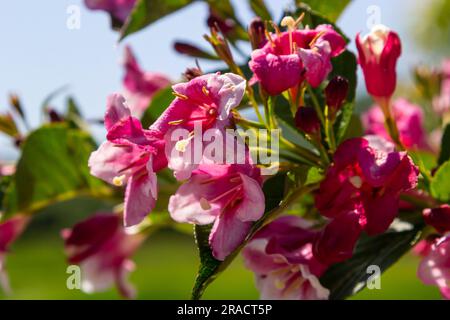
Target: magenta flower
131	155
230	196
205	102
409	119
290	57
140	86
100	246
10	230
378	55
371	178
434	268
281	257
118	9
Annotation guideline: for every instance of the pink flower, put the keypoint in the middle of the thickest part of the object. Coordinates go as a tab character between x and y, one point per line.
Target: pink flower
119	9
378	55
10	230
290	57
281	257
441	103
7	169
131	155
140	86
439	218
370	178
409	119
230	196
100	246
204	103
435	267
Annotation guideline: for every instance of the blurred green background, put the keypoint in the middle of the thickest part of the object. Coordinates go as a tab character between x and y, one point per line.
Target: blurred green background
166	266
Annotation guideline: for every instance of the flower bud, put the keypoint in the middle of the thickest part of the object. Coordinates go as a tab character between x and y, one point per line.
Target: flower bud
192	73
15	103
256	33
192	51
378	55
336	92
225	25
439	218
306	119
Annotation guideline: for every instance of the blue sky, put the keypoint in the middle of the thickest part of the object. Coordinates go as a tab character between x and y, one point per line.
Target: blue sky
39	53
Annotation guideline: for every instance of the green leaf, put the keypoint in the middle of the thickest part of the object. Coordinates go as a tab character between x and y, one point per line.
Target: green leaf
159	103
260	9
347	278
210	267
440	184
445	146
329	9
53	167
146	12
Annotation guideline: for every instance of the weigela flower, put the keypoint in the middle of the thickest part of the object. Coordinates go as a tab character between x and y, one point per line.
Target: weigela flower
131	156
119	9
10	230
281	257
290	57
434	268
378	54
335	93
204	102
409	119
306	119
439	218
361	191
230	196
441	103
100	246
140	86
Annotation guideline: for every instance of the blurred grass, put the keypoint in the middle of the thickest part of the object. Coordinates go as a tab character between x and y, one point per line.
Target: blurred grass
166	267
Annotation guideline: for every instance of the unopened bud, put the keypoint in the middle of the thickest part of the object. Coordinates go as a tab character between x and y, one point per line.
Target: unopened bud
439	218
15	103
306	119
256	33
192	73
336	92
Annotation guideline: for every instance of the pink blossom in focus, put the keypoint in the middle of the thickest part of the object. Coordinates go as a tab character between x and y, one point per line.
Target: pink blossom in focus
102	248
435	266
131	156
229	196
281	257
204	102
140	86
10	230
409	119
378	55
290	57
361	191
119	9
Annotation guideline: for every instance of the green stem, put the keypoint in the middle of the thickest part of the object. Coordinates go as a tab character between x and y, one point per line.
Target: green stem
316	106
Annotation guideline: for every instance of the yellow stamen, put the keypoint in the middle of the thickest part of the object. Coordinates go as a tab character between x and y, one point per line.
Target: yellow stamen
179	95
205	91
313	41
269	38
175	122
118	181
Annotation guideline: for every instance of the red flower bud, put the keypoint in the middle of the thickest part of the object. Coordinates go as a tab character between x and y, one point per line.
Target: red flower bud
439	218
378	55
306	119
256	33
225	25
336	92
